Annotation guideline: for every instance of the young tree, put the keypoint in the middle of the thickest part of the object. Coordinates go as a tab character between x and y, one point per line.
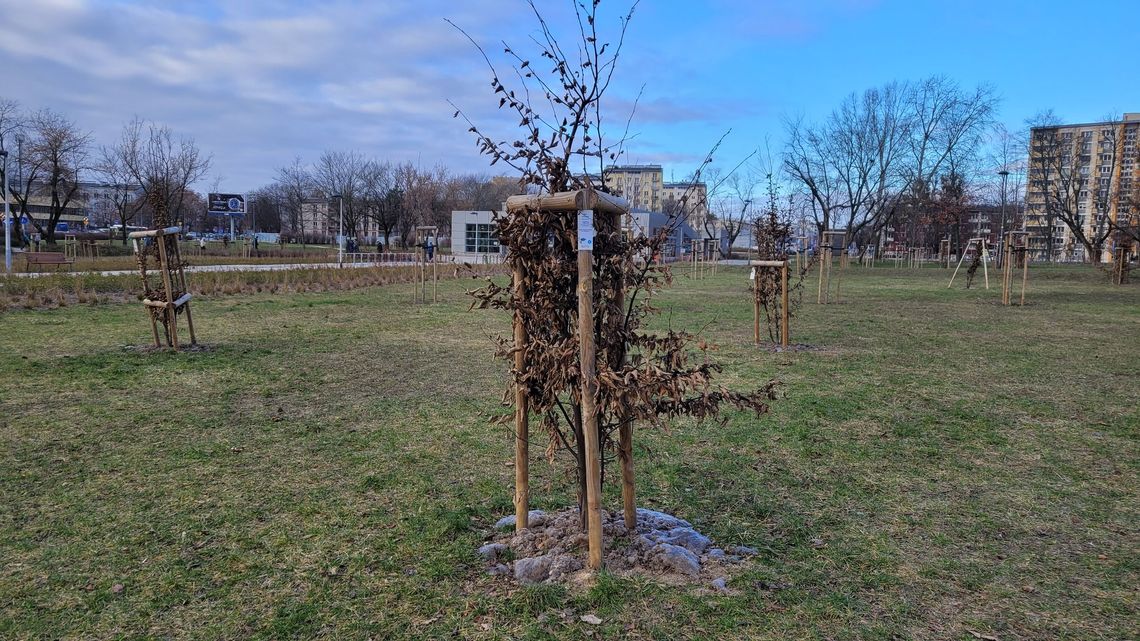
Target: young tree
640	375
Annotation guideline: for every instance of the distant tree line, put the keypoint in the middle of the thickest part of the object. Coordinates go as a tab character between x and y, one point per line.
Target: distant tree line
50	158
389	198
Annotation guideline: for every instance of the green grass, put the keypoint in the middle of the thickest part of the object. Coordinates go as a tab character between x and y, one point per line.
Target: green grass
326	470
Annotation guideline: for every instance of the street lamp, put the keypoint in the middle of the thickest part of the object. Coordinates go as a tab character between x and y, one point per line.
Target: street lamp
340	232
1001	230
752	234
7	217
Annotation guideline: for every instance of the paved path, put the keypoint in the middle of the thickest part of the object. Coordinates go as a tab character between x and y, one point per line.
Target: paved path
237	268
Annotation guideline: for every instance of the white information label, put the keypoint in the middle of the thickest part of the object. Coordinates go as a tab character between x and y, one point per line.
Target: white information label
586	230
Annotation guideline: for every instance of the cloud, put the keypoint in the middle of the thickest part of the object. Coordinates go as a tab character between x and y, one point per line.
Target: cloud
258	83
255	84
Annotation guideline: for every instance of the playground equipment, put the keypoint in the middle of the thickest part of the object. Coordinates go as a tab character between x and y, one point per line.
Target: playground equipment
983	253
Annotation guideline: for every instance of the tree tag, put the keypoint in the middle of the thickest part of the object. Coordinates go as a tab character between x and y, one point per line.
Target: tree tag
586	230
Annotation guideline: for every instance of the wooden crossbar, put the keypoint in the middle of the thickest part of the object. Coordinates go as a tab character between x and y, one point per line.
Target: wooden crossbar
179	302
154	232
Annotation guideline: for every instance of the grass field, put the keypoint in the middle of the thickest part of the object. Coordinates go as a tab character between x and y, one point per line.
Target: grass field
941	468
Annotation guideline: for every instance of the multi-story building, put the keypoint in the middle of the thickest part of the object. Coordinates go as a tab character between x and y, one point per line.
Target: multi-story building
1087	171
315	220
641	185
320	219
697	202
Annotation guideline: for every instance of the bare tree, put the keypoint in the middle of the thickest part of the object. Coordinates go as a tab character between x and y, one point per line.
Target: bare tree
11	123
879	146
295	184
417	191
164	167
125	195
1008	155
480	193
732	206
62	153
341	173
382	199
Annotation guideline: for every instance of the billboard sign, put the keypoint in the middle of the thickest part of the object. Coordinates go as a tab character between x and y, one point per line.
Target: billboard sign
226	205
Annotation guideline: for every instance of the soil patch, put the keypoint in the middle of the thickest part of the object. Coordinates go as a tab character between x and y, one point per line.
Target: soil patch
664	549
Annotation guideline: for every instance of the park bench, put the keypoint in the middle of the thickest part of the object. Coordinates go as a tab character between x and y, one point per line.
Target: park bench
46	258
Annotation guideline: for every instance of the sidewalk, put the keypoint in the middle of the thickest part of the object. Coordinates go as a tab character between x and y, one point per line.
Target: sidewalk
234	268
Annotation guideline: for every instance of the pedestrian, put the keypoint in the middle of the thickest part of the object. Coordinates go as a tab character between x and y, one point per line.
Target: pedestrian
430	247
379	246
255	250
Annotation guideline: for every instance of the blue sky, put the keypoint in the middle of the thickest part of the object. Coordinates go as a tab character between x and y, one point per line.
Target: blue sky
258	83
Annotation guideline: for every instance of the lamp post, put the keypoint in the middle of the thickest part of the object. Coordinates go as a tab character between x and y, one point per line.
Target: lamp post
7	217
1001	230
752	231
340	232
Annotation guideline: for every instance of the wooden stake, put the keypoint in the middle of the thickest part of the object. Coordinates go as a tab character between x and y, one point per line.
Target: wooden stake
839	280
960	259
784	304
985	263
185	289
756	309
819	292
171	316
589	390
1024	273
522	427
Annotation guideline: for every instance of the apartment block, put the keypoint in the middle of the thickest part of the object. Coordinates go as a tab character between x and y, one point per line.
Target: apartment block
641	185
697	203
1091	170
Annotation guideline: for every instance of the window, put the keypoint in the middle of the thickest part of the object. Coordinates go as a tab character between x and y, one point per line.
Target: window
481	238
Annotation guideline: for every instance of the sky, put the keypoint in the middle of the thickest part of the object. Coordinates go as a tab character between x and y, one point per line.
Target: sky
261	82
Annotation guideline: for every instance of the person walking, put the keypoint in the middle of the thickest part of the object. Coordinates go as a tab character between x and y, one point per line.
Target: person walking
430	247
